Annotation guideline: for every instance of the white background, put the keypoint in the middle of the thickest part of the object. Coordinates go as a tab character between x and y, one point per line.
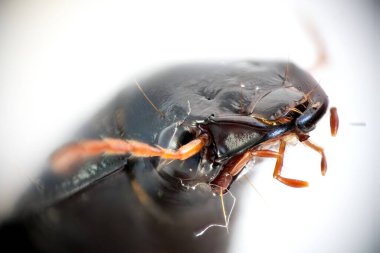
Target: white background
60	61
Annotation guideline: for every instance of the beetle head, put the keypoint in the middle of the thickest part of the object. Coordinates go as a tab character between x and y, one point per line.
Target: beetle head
299	105
316	100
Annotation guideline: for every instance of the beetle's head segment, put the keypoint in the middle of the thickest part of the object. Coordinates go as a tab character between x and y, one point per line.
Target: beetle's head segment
289	105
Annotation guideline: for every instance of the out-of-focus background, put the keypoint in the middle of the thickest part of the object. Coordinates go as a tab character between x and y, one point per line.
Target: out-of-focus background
60	61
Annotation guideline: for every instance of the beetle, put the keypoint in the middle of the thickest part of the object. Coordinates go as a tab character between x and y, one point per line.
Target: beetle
161	150
227	113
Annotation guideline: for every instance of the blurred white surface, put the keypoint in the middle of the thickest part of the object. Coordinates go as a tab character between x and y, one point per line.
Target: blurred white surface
60	61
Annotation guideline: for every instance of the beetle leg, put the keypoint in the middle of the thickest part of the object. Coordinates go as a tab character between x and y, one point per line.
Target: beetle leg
319	150
277	170
64	159
278	167
237	163
230	169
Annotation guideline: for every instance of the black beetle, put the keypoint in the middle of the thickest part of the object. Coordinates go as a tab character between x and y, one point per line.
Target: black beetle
226	112
217	115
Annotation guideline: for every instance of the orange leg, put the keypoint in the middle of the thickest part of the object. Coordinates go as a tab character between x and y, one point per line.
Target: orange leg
277	170
236	165
67	157
319	150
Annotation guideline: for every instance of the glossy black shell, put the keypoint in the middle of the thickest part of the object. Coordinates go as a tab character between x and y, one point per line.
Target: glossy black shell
100	209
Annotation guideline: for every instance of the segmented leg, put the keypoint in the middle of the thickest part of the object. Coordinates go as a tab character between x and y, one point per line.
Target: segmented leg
66	158
236	165
319	150
277	170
